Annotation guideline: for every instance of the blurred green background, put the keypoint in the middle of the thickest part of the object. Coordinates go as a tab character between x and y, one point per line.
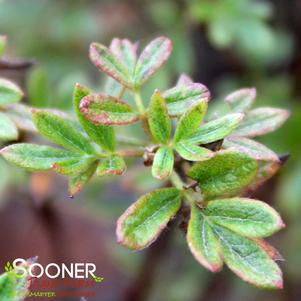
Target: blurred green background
225	44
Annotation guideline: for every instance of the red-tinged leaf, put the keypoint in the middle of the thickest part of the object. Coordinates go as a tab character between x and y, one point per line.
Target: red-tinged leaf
112	166
202	241
193	152
101	134
142	222
73	166
163	163
159	121
77	182
271	251
252	148
107	62
261	121
107	110
184	80
241	100
154	55
180	98
126	52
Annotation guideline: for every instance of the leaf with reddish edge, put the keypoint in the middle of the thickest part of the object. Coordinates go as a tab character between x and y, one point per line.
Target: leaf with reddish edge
248	260
159	121
247	217
112	166
154	55
107	62
142	222
216	129
77	182
163	163
261	121
250	147
73	166
202	241
266	169
180	98
241	100
193	152
36	157
126	52
184	80
101	134
225	174
107	110
271	251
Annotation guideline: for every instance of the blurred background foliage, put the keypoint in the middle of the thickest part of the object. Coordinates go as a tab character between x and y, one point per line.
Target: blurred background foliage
225	44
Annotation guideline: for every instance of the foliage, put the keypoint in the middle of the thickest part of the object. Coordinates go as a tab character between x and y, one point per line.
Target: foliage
205	164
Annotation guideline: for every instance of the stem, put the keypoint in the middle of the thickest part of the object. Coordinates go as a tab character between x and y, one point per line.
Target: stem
131	152
176	180
121	92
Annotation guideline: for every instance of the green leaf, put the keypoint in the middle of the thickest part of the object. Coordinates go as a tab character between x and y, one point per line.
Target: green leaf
35	157
163	163
250	147
202	241
261	121
3	41
154	55
14	287
181	97
193	152
226	174
9	92
159	121
101	134
216	129
8	130
112	166
74	166
244	216
107	110
61	131
241	100
77	182
248	260
190	121
142	222
126	52
107	62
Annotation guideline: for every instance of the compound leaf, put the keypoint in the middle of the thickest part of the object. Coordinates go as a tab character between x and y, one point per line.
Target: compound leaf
143	221
225	174
154	55
216	129
163	163
159	121
107	110
101	134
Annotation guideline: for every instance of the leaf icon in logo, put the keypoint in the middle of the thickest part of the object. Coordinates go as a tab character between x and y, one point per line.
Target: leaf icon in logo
8	267
98	279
